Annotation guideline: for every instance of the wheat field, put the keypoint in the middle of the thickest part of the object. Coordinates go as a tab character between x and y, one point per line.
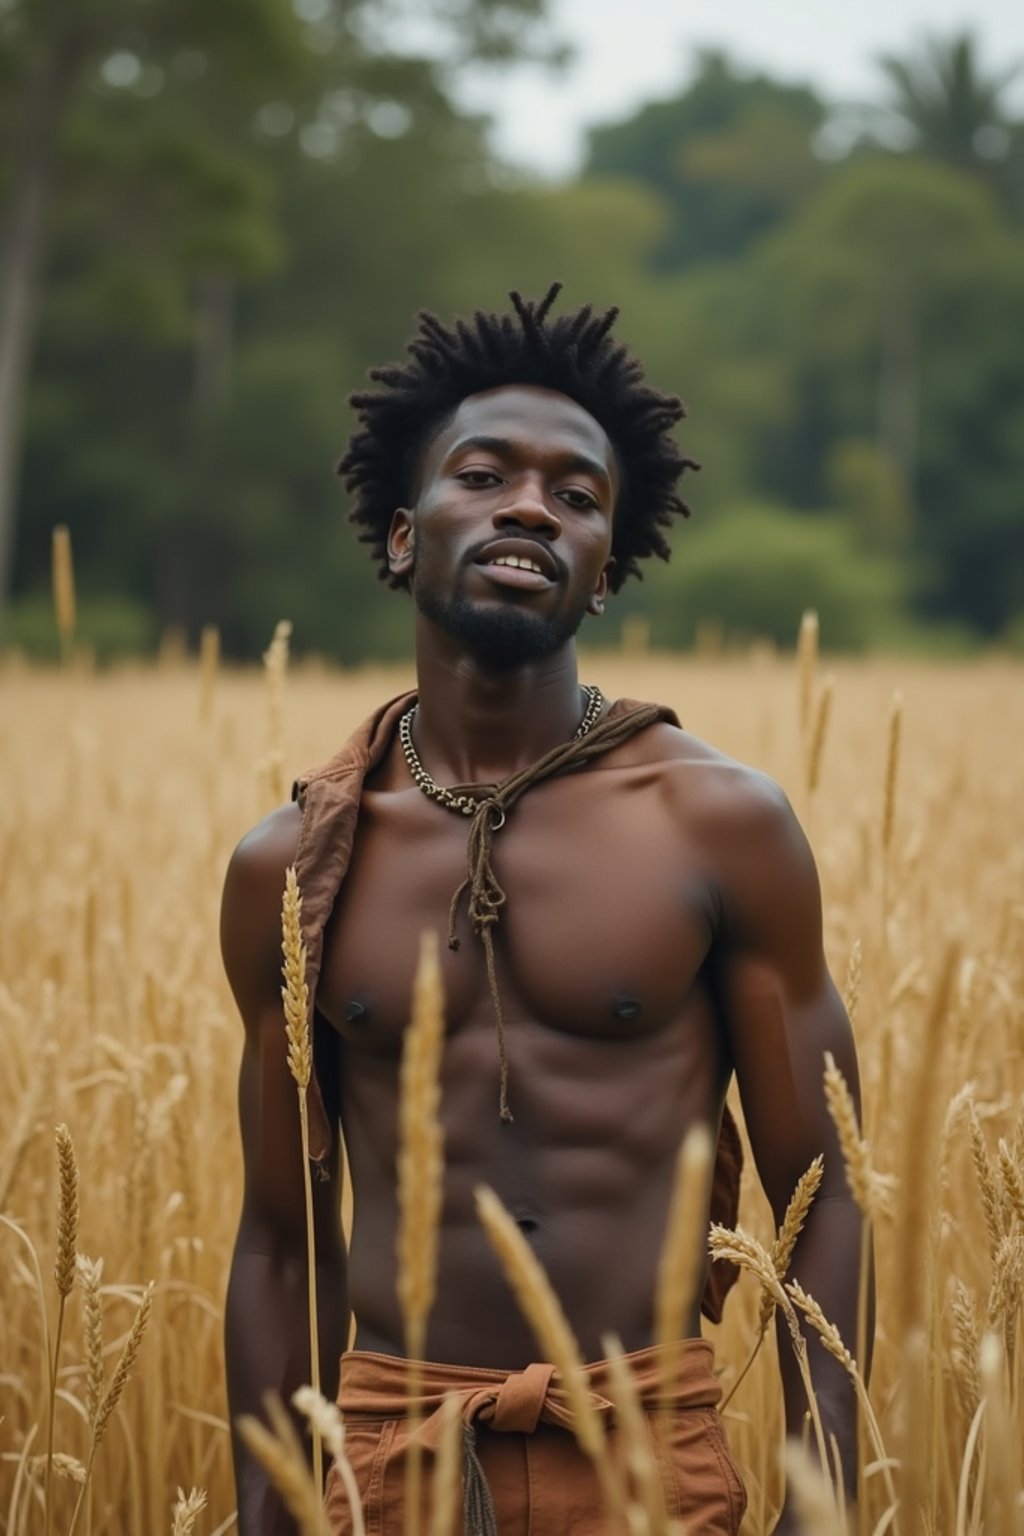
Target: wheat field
121	796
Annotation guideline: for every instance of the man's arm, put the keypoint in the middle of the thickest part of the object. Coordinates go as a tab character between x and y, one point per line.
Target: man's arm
782	1013
267	1313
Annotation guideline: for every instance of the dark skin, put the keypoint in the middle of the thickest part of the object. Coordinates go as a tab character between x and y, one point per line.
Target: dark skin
663	931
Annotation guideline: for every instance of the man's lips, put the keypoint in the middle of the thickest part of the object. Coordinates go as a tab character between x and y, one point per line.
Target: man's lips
519	562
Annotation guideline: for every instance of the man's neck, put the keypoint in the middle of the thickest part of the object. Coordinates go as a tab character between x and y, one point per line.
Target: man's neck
477	727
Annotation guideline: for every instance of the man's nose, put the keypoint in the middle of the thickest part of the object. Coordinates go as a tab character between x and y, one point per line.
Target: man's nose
526	507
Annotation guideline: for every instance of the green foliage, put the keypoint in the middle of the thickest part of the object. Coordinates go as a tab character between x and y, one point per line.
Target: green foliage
245	217
755	569
731	156
107	627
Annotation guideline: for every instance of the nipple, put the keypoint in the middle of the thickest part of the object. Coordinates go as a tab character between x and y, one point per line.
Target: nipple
628	1009
355	1013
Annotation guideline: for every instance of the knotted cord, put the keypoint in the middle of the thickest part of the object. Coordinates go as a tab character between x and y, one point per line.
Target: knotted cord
486	896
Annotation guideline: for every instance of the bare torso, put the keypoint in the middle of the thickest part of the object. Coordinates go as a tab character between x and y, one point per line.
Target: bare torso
605	955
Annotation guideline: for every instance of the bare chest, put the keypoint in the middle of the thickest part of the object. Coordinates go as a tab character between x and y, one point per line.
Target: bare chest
605	926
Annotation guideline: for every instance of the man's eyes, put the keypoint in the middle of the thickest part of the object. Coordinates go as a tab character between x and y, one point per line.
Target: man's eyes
478	477
577	498
481	479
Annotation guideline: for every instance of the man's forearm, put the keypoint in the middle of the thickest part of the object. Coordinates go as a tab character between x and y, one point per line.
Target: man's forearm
267	1350
827	1264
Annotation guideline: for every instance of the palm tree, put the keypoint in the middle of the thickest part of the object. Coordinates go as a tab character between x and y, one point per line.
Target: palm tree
950	108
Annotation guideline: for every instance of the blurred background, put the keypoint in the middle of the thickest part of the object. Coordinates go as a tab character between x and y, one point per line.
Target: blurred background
214	217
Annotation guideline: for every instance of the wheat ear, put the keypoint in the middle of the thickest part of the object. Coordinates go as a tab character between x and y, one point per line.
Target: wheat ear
295	998
792	1224
1013	1184
420	1190
988	1187
542	1310
737	1246
683	1254
187	1509
122	1372
64	589
856	1156
326	1418
812	1493
64	1276
281	1456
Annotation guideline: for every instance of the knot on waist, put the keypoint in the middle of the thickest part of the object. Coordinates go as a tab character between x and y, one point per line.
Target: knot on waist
524	1399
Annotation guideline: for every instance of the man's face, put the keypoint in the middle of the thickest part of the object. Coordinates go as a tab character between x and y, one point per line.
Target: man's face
508	544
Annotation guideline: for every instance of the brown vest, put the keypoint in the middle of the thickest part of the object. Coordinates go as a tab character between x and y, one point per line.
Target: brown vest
328	798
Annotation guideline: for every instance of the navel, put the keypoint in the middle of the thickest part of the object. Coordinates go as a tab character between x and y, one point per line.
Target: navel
628	1009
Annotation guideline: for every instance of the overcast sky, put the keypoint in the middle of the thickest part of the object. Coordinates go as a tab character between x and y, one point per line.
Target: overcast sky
632	51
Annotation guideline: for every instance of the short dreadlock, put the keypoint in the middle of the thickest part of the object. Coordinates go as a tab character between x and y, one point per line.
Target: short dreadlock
574	355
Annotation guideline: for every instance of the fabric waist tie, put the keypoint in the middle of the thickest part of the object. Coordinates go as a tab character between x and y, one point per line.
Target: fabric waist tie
375	1387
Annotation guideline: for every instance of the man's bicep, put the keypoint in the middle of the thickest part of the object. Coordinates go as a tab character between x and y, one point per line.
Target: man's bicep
782	1012
268	1105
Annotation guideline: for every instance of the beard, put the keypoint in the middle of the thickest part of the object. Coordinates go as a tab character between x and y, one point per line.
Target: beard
499	638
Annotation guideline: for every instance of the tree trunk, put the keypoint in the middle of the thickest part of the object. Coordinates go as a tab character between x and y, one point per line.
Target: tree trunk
21	258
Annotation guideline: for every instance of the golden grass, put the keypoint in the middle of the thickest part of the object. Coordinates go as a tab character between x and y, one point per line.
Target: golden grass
118	811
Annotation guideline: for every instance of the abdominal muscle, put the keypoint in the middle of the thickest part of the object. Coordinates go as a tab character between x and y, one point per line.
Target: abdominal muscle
586	1168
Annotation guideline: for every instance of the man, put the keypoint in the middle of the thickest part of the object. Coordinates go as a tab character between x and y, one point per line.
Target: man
632	928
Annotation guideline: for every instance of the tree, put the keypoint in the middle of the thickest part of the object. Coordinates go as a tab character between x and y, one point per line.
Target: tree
731	156
199	83
950	108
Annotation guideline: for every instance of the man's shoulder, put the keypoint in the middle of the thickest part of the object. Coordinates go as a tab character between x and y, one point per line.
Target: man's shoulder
709	781
259	862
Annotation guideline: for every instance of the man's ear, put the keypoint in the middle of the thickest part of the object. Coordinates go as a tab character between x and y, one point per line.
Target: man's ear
401	542
595	606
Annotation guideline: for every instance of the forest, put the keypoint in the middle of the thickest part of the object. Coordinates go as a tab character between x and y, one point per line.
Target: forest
213	219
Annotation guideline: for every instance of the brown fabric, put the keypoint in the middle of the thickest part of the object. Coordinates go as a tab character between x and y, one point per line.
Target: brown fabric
535	1481
329	797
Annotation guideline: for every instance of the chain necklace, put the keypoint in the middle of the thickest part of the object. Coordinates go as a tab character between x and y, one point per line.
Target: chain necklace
468	804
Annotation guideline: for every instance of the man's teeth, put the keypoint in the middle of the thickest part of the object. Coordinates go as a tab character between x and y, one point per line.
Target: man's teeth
518	563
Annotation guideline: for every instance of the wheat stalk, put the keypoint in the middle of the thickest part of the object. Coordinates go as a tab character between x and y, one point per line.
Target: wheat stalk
818	735
420	1189
639	1457
892	768
64	1276
683	1253
1002	1445
275	663
64	589
325	1418
209	661
833	1343
812	1494
281	1456
122	1373
800	1202
542	1310
807	659
446	1482
295	1000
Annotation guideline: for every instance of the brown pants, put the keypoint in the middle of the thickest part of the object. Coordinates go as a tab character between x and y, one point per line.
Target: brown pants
540	1482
